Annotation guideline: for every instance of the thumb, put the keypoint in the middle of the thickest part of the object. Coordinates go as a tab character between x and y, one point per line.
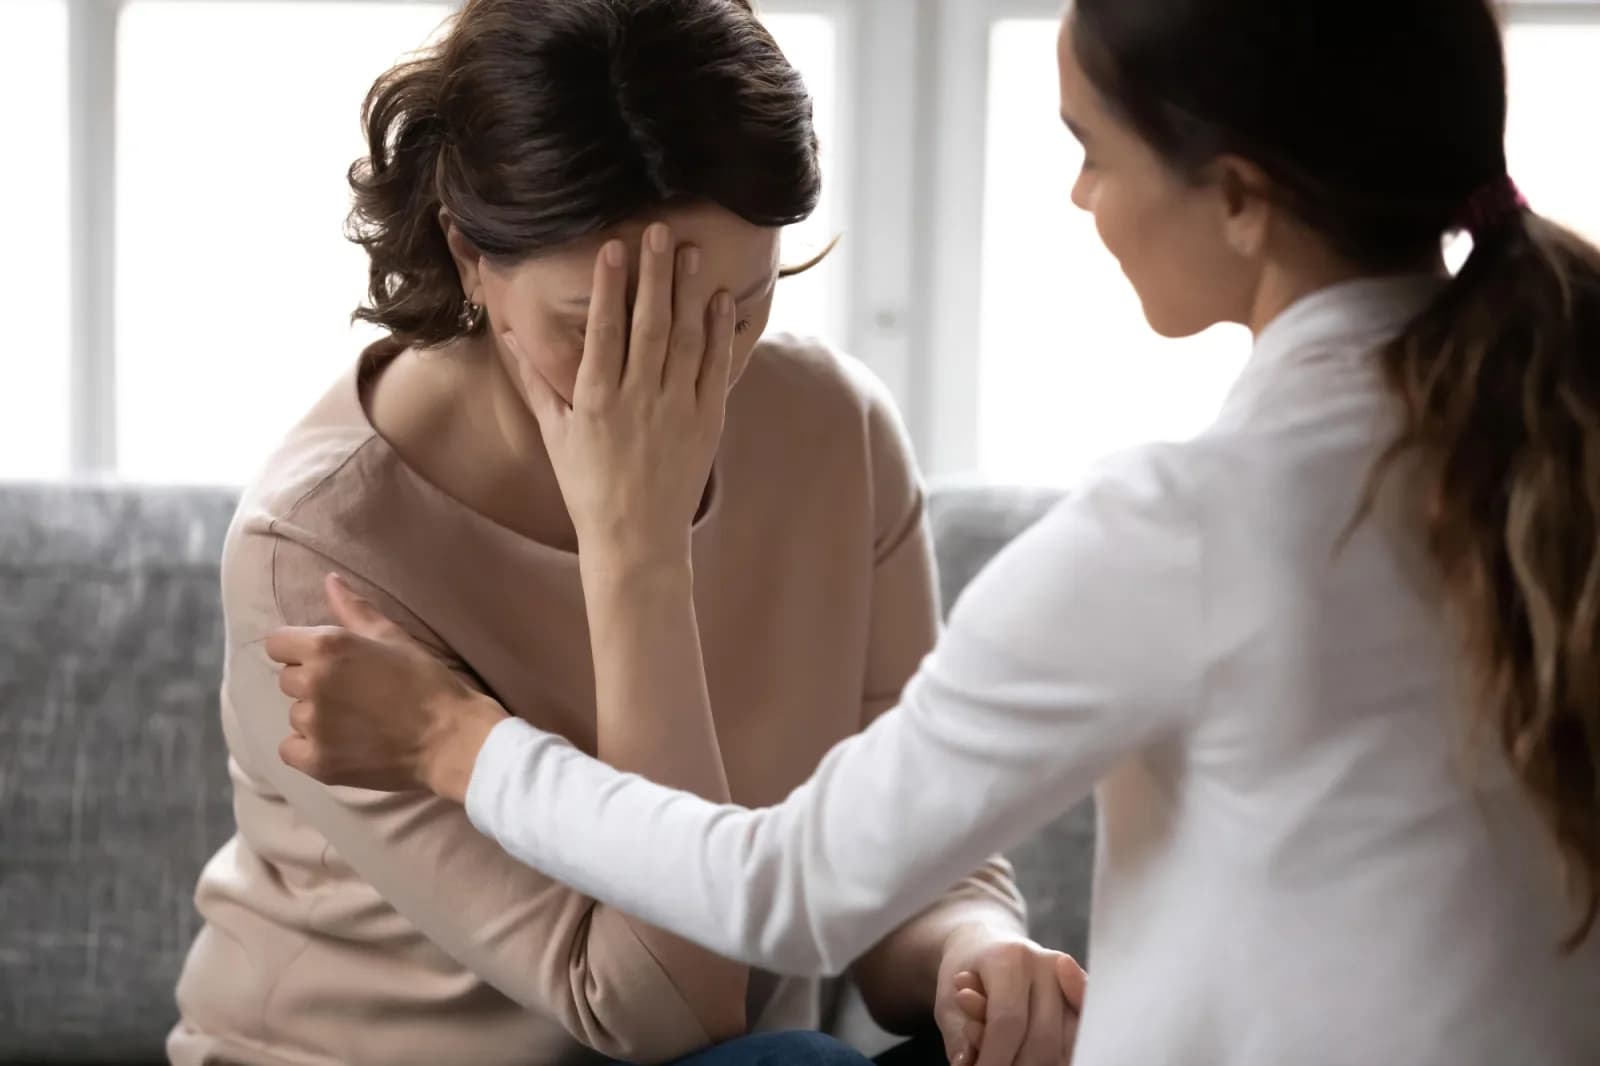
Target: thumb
1074	982
542	398
355	613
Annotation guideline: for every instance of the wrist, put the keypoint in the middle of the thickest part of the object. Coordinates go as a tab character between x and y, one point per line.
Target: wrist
631	568
970	935
986	923
450	754
965	935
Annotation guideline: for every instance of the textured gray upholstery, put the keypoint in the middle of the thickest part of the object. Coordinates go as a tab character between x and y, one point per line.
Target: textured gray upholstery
113	775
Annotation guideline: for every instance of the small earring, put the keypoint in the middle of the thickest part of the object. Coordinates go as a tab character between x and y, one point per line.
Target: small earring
471	316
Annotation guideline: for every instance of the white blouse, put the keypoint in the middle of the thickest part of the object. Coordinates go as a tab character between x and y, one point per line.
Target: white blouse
1297	862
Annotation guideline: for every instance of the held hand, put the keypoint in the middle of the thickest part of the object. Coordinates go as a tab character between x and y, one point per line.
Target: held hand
633	451
1006	1001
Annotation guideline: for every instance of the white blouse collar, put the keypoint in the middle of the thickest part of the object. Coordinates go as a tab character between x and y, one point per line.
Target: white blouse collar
1351	316
1347	312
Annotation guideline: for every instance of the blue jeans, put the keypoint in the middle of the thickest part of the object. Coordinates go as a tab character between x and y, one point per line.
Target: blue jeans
797	1048
801	1048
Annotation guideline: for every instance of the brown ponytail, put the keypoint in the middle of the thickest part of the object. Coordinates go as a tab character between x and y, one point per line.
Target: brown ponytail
1499	383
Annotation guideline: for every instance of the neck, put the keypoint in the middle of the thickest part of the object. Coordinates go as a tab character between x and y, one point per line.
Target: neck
1287	281
513	480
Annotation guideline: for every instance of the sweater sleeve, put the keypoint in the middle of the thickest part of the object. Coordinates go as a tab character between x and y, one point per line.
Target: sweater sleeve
1076	648
541	943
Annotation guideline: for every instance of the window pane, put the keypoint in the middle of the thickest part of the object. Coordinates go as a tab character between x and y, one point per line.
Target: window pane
1552	70
236	124
34	377
1069	368
806	304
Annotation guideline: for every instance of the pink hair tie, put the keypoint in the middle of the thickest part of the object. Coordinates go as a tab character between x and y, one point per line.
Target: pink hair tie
1492	206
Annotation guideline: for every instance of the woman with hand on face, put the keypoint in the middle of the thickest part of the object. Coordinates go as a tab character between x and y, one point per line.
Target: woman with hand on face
672	141
1334	665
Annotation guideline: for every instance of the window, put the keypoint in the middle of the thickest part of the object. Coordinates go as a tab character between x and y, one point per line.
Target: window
34	280
1068	368
1553	80
234	282
180	287
232	200
806	304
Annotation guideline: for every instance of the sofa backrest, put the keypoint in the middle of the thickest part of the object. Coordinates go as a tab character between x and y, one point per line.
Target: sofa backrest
113	775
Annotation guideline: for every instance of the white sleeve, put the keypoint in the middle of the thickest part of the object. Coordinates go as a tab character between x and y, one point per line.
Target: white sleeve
1074	649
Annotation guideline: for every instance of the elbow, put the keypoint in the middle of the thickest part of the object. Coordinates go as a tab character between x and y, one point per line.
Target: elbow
645	1001
723	1015
899	1006
717	996
653	1033
646	1041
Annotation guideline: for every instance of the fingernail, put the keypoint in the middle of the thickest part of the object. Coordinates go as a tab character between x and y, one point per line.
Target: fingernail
691	261
615	253
962	1058
660	237
724	304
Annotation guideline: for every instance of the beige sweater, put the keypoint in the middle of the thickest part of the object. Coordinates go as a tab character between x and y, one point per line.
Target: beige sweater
351	927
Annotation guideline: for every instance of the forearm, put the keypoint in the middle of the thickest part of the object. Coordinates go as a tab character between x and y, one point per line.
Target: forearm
653	718
899	977
653	712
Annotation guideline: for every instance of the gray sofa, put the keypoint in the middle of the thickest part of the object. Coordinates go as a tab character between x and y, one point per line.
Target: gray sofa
113	774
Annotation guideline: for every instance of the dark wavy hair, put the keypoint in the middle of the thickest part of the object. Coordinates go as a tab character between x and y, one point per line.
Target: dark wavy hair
537	122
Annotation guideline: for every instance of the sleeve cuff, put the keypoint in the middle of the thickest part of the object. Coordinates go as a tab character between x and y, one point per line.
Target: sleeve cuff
504	751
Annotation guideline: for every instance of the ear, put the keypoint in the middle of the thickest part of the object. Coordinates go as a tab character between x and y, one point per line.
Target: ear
469	260
1244	202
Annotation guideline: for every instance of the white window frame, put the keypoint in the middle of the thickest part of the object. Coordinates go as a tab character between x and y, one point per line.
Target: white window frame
946	407
92	225
91	170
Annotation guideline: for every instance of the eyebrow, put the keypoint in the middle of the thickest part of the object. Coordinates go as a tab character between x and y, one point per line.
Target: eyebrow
581	303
